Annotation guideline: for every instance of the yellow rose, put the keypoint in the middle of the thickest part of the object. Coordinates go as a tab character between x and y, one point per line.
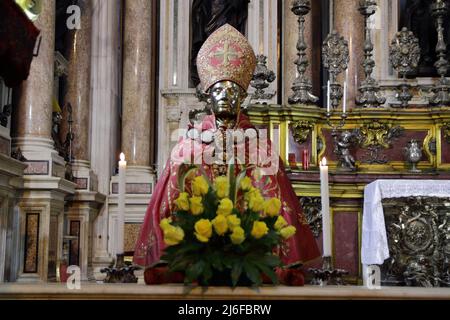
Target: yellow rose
250	193
199	186
288	232
246	184
165	223
225	207
203	230
220	225
272	207
256	201
196	205
182	201
173	235
238	235
259	229
233	221
280	223
222	187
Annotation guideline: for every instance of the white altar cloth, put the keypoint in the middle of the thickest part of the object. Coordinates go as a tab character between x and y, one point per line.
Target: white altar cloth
374	247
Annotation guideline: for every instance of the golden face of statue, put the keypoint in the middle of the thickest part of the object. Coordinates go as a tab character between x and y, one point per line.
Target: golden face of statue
226	97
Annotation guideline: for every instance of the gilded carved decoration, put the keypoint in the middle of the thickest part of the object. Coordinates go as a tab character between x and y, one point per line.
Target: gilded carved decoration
376	136
301	130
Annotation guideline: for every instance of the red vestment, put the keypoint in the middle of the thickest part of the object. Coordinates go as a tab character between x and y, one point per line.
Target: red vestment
298	249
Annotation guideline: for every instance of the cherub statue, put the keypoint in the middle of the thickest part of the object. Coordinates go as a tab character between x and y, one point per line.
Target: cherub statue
343	143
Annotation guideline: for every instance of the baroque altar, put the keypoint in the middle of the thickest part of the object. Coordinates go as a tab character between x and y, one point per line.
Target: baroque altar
378	141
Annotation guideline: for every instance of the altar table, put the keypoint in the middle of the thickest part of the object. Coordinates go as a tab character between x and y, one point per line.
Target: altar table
374	248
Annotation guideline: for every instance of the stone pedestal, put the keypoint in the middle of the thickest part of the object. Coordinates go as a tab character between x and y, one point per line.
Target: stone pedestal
9	169
5	141
79	222
139	188
41	219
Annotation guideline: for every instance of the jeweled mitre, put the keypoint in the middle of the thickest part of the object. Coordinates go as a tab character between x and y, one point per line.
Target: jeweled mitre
226	55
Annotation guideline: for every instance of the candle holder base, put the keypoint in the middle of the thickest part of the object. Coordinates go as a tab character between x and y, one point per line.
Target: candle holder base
327	275
120	272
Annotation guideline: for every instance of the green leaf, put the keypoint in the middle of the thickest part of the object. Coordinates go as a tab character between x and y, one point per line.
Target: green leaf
216	261
269	272
228	261
236	272
195	270
252	273
271	260
207	273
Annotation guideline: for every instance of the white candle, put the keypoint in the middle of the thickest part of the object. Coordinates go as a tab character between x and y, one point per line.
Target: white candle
121	203
344	106
328	96
325	195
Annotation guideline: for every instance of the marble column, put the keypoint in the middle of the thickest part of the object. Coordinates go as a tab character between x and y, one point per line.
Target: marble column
350	24
79	83
42	195
105	81
84	206
312	39
137	114
78	97
136	94
33	114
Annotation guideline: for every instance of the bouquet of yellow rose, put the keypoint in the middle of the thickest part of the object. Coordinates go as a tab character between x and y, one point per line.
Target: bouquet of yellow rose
209	236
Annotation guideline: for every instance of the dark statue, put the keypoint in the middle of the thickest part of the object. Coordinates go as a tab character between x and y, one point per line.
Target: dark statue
208	16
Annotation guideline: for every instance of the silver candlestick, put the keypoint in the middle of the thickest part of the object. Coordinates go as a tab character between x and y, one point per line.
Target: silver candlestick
302	85
369	88
327	275
441	92
262	77
404	55
120	272
335	56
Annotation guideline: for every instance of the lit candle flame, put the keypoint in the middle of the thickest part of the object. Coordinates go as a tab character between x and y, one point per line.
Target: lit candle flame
323	162
122	156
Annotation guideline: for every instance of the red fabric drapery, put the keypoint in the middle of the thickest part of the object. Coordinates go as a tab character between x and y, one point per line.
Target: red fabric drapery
17	41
